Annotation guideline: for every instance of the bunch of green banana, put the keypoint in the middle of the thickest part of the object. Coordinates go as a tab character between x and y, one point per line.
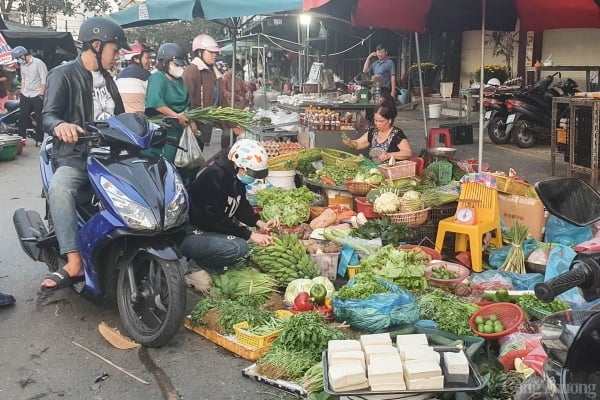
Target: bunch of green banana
285	260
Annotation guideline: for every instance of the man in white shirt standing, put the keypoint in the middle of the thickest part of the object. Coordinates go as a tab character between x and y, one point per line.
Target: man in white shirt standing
132	81
33	87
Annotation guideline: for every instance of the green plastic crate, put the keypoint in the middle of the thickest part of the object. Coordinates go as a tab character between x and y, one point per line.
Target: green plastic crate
8	152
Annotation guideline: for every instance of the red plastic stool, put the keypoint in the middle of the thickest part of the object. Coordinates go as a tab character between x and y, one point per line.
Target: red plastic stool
420	164
434	132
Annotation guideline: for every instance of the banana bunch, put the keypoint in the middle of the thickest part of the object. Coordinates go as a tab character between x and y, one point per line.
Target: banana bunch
285	260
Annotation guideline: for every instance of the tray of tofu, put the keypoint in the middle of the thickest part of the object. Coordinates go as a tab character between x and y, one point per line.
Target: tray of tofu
373	365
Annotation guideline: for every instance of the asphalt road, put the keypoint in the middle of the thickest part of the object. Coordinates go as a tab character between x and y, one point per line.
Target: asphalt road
37	354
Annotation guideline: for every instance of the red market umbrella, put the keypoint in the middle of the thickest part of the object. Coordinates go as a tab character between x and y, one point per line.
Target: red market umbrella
465	15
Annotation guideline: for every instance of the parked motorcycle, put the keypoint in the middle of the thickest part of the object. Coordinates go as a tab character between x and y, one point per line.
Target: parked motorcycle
494	103
530	111
571	338
131	218
9	120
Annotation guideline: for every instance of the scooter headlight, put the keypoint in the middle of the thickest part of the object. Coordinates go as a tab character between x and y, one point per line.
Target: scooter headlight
176	210
135	215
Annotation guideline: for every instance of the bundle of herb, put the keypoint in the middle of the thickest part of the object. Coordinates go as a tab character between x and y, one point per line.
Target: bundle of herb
515	260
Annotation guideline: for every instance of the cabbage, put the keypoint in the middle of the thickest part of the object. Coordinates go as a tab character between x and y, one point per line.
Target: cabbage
296	286
303	285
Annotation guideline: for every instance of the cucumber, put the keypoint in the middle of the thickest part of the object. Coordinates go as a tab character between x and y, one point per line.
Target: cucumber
405	330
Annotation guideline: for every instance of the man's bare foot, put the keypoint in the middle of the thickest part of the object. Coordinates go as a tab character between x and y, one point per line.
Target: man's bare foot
72	270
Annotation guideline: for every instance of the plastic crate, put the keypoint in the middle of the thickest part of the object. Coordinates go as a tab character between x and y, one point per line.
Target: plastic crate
427	232
513	186
459	133
402	169
353	270
258	341
327	263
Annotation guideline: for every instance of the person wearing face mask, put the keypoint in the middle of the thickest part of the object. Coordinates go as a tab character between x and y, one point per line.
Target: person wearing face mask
167	95
33	87
203	80
220	214
77	92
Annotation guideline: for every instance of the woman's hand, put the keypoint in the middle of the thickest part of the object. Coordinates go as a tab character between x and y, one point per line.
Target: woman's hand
268	225
182	119
385	156
261	239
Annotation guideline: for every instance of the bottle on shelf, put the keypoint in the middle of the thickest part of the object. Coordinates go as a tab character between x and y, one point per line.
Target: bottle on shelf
377	95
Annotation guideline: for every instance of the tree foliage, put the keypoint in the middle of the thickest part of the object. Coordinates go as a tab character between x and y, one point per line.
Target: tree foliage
504	44
181	32
46	10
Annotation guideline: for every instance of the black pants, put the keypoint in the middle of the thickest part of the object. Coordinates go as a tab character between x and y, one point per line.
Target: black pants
29	105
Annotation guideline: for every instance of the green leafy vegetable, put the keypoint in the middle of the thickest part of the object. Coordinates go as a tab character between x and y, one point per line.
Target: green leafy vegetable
449	311
290	206
406	268
389	232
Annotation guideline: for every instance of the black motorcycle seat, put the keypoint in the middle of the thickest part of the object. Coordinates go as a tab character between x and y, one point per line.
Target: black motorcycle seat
12	105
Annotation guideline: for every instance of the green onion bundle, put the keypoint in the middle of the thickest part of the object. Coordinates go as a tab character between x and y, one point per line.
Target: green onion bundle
515	260
243	119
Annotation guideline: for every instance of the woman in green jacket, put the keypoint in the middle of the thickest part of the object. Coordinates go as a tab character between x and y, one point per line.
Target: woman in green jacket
167	95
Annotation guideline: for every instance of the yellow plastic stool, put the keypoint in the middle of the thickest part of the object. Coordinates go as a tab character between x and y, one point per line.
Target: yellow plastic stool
487	219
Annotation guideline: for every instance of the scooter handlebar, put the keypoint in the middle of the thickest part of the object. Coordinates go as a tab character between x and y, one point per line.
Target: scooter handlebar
576	276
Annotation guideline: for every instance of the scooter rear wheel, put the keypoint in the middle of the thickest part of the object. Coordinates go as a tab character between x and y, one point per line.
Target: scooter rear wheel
154	314
523	135
497	131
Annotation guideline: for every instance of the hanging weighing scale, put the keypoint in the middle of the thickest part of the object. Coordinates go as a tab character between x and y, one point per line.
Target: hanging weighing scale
441	166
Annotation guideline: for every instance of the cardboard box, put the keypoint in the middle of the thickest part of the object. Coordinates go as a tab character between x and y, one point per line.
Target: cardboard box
526	210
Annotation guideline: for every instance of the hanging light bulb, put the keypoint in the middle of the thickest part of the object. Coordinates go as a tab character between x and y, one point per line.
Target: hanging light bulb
322	31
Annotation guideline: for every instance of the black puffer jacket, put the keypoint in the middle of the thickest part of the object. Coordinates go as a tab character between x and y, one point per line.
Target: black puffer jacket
69	98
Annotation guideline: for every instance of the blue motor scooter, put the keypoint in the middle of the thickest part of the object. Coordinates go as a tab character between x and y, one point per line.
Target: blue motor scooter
132	218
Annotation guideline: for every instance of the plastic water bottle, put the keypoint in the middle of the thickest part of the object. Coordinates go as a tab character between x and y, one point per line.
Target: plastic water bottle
377	96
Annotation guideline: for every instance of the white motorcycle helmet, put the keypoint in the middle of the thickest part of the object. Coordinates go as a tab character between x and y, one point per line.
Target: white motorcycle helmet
251	156
205	42
494	82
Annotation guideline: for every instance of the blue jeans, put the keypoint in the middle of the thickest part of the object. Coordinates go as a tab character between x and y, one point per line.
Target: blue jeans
213	250
65	184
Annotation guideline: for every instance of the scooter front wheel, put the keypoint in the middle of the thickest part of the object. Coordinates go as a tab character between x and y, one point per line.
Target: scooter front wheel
523	135
497	131
153	312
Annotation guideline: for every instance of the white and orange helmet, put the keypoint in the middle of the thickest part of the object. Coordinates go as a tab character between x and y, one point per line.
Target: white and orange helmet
251	156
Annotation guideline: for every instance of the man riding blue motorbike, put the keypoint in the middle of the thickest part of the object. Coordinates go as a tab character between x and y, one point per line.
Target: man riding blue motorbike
115	215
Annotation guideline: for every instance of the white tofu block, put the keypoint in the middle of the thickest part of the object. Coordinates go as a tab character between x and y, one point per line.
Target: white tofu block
403	347
421	369
343	356
348	373
387	387
379	369
422	355
375	338
350	388
411	340
343	345
386	359
378	349
432	383
457	367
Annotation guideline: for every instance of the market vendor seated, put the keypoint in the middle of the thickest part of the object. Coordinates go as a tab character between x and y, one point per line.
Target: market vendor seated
220	214
384	140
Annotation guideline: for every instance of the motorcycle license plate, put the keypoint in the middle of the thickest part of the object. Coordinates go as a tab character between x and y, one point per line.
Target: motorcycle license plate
510	119
488	114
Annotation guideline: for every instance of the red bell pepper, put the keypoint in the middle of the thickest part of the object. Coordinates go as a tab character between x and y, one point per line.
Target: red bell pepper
302	302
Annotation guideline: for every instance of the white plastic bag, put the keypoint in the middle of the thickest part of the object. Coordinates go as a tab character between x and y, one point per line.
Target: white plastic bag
191	158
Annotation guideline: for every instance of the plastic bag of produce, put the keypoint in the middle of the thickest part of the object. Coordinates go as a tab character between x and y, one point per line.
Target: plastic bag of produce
560	231
498	256
378	311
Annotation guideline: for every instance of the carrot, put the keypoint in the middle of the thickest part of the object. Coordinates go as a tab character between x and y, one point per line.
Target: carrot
328	181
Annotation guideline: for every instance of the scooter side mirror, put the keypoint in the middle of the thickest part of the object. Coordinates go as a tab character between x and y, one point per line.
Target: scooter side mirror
570	199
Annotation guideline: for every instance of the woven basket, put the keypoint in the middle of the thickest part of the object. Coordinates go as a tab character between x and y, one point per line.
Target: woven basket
402	169
513	186
283	162
414	218
359	188
365	207
338	157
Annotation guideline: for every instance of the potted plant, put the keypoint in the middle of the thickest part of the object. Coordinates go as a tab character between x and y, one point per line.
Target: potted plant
428	73
491	71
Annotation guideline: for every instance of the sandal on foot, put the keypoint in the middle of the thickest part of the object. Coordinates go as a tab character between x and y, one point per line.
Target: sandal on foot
62	280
